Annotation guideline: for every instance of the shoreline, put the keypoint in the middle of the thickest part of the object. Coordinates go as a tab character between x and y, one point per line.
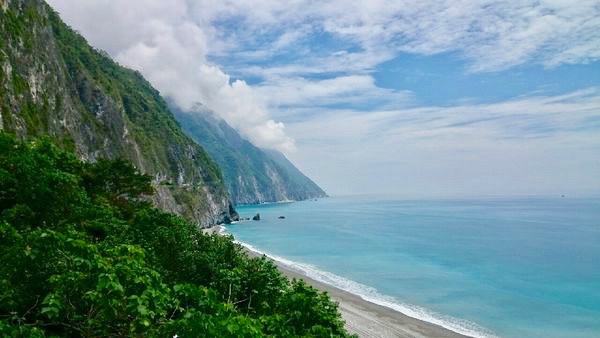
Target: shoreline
362	317
367	319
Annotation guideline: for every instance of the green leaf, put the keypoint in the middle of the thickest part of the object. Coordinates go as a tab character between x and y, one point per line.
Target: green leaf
142	310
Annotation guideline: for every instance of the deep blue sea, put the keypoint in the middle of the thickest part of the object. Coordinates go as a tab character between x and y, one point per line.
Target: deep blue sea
526	267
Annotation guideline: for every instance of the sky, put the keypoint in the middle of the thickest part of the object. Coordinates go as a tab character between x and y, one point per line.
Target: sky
408	98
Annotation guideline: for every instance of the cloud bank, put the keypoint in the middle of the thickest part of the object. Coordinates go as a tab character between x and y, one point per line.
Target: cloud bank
171	42
529	145
490	35
313	65
163	42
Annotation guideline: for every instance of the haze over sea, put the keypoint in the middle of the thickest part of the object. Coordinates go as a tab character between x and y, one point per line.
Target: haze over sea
520	267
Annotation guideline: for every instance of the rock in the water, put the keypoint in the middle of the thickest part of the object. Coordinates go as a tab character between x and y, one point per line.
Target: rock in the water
281	217
256	217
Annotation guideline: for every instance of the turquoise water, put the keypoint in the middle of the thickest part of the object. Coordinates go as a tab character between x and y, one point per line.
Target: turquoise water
497	267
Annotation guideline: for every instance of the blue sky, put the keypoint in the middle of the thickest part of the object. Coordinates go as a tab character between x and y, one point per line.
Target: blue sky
443	80
410	98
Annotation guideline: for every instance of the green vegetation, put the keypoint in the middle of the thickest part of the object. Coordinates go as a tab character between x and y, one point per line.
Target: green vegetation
84	254
149	118
52	83
251	174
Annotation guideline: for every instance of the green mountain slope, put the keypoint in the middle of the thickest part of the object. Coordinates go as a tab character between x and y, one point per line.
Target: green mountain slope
251	174
53	83
84	255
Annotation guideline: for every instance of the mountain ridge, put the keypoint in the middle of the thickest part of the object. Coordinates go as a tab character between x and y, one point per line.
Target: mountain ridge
53	83
252	175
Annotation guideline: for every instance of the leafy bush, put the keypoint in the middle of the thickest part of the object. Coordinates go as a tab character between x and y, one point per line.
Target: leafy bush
84	254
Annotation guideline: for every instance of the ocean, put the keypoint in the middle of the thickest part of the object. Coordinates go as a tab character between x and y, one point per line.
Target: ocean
520	267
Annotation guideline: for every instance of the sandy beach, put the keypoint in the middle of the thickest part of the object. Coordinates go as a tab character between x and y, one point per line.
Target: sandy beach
364	318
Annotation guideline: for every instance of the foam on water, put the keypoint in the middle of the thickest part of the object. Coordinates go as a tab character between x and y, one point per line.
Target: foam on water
371	294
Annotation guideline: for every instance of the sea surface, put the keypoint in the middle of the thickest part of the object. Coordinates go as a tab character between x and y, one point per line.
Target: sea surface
524	267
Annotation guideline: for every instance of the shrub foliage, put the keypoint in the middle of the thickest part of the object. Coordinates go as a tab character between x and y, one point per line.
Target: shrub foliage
84	254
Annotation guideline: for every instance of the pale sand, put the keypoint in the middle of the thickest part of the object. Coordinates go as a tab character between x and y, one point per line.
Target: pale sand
364	318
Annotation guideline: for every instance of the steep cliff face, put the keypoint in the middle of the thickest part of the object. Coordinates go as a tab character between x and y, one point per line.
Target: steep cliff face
53	83
252	175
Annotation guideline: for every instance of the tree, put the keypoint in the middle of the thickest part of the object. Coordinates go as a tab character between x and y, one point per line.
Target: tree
84	254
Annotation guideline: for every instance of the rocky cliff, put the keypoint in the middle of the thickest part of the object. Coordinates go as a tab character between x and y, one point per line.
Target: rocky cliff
53	83
252	175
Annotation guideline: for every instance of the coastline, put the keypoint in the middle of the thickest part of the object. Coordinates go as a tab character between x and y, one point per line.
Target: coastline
368	319
364	318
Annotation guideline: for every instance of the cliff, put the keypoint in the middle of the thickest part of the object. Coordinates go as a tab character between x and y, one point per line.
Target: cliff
252	175
52	83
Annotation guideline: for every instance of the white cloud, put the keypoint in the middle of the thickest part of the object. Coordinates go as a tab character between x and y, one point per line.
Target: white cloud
169	43
490	35
527	145
161	40
282	93
312	62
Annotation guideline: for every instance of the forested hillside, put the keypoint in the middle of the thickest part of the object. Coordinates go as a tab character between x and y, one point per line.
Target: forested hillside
83	254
